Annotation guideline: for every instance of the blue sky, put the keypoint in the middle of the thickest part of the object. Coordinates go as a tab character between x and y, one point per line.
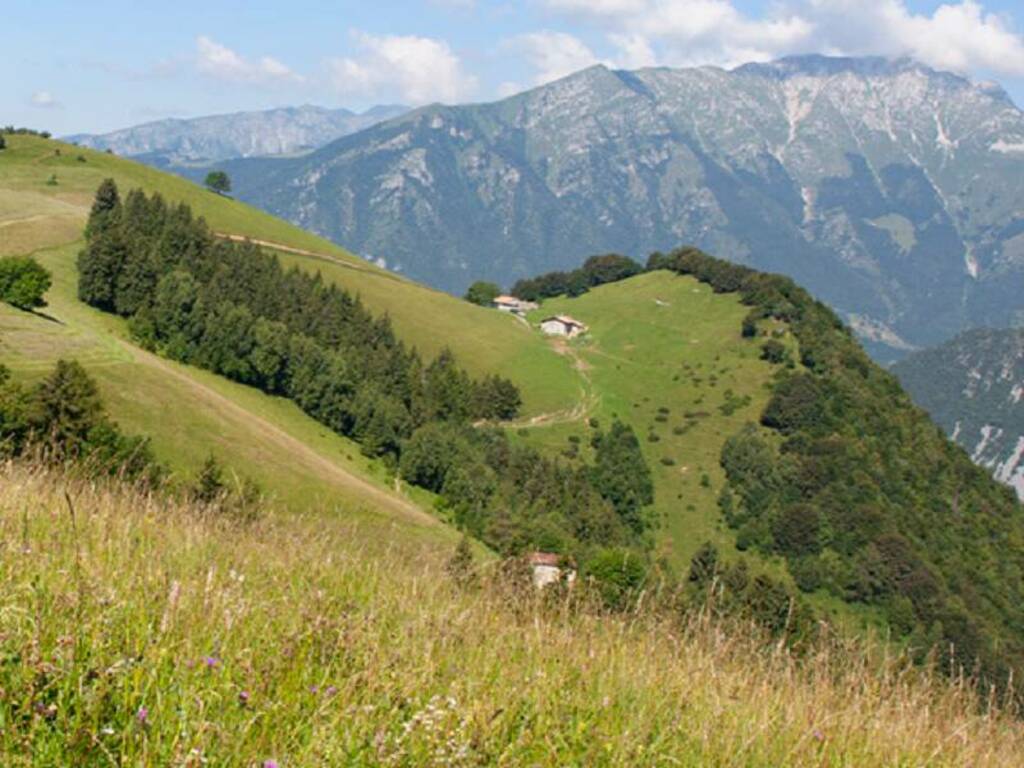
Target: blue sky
73	66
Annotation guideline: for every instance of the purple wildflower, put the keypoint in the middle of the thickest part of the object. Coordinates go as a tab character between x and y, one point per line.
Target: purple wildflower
211	662
818	735
243	697
142	716
270	764
331	690
314	689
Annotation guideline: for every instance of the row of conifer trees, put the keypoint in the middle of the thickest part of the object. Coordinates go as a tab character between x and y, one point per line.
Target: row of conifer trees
233	309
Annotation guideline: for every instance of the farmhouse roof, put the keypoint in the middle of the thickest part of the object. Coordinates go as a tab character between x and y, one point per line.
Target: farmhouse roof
507	300
565	320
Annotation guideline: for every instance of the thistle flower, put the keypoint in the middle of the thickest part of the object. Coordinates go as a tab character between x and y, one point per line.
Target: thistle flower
243	697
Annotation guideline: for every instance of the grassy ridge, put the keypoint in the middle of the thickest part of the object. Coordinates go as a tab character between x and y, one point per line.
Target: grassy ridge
143	633
661	341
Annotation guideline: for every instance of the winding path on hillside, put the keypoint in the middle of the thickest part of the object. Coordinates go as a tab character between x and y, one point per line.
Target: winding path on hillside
309	254
301	452
585	406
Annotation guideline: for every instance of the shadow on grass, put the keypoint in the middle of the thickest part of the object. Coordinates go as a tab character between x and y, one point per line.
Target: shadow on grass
35	313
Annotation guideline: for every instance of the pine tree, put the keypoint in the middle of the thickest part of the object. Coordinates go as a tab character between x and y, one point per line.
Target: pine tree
99	265
66	407
621	475
105	207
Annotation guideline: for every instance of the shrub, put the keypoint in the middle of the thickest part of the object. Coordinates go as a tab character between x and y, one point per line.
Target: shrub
482	293
23	282
618	574
774	352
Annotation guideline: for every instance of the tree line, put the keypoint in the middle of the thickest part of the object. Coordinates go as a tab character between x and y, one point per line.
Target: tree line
597	270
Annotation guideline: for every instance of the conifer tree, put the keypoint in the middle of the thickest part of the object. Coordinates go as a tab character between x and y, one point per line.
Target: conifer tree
621	475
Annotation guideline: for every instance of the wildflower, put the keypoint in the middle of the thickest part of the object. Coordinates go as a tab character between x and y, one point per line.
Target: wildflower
142	716
270	764
818	735
243	697
314	689
107	731
331	690
211	662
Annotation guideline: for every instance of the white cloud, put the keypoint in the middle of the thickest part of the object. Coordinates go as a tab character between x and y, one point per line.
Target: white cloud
960	36
635	51
221	62
416	70
508	88
44	100
688	31
553	54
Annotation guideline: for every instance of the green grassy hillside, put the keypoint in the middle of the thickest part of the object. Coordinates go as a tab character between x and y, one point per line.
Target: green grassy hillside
35	214
665	354
188	413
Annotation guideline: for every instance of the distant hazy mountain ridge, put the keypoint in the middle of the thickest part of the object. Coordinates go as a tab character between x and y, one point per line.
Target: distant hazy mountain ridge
891	190
973	387
242	134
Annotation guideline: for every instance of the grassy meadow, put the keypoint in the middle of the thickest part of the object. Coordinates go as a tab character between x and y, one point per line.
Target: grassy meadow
35	214
665	355
138	631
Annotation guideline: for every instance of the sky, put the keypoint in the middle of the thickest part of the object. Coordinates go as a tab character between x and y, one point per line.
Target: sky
69	66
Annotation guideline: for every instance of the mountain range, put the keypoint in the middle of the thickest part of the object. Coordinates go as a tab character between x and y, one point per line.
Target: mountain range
175	142
891	190
973	386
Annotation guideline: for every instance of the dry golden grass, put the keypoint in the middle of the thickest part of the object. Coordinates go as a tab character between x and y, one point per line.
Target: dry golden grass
138	631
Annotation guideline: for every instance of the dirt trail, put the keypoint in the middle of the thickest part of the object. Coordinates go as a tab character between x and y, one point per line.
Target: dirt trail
294	447
311	254
584	407
25	220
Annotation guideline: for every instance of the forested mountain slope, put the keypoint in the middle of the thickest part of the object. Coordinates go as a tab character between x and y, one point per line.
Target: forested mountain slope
889	189
973	386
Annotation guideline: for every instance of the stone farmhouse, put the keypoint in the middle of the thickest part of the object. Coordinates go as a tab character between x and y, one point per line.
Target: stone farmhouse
562	325
547	568
513	305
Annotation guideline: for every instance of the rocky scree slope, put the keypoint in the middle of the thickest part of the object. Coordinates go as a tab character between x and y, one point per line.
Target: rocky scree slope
973	386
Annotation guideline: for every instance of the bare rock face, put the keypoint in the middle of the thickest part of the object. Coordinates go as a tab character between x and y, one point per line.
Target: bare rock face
890	190
973	386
